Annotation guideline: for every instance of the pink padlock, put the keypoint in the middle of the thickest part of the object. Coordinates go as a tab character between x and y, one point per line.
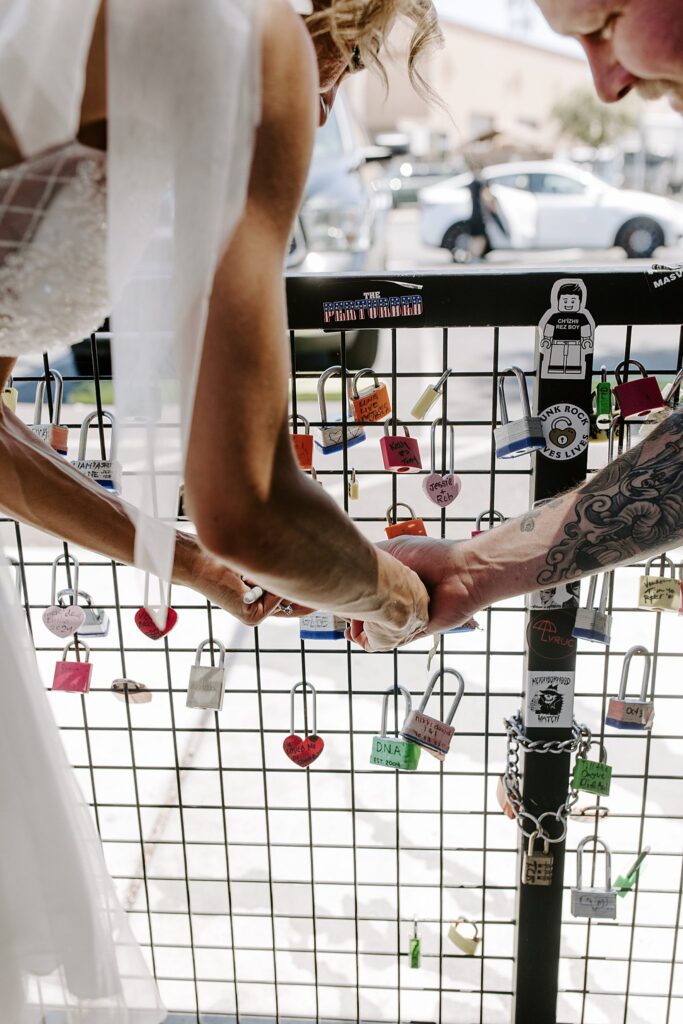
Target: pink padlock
400	454
73	676
637	396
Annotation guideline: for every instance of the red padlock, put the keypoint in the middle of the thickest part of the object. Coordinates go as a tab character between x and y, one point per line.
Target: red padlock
408	528
73	676
400	454
373	404
144	620
302	443
637	396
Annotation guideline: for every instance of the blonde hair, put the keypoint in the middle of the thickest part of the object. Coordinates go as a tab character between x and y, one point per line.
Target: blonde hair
367	23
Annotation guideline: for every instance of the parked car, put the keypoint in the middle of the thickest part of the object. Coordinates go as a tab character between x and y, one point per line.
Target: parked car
408	177
551	205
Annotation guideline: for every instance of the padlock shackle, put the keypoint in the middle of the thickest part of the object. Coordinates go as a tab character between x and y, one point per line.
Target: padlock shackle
392	427
385	705
432	444
625	363
637	650
304	687
533	836
523	393
442	380
210	643
76	644
83	436
366	372
579	860
332	371
74	593
392	508
603	750
456	700
40	395
463	920
614	426
53	589
490	514
665	561
671	389
604	592
294	421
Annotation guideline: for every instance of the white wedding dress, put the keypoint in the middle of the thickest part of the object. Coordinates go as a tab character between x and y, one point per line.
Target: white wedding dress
136	232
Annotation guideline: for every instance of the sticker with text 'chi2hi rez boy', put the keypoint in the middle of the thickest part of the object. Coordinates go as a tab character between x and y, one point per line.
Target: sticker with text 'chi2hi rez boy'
566	333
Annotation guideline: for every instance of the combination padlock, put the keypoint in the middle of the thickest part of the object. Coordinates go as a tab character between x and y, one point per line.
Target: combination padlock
95	621
321	626
400	454
593	623
660	593
105	472
407	527
637	396
54	433
431	394
303	750
466	944
537	868
371	405
630	712
337	435
593	776
594	902
64	620
206	687
302	443
73	676
432	734
442	488
392	751
10	396
494	518
522	436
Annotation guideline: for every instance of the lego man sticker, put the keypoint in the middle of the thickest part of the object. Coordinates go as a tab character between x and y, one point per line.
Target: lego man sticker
566	331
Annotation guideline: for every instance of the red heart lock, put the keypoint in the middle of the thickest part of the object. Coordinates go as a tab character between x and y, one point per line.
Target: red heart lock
147	625
303	751
65	620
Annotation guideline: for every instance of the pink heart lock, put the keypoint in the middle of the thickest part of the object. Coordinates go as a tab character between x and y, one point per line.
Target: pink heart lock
64	621
442	490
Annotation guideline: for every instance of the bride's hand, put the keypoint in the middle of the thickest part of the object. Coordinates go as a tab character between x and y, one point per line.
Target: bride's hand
226	588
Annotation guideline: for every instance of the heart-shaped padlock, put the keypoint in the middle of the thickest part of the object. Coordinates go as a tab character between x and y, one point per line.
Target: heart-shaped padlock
561	433
147	625
64	621
442	490
303	751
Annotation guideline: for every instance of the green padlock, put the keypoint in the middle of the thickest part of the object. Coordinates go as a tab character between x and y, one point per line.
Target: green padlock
603	403
415	946
592	776
389	751
625	883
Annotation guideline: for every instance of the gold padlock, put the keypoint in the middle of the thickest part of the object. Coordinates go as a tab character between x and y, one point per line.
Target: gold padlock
660	593
467	946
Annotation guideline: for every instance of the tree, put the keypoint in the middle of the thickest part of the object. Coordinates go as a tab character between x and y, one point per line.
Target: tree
582	117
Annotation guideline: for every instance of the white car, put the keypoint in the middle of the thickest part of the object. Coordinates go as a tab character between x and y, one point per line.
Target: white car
550	205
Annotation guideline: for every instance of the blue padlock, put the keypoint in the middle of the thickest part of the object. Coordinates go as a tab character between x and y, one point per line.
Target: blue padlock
335	436
321	626
522	436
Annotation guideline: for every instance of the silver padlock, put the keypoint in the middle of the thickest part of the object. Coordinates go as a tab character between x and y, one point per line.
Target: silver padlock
335	436
96	621
207	683
53	433
432	734
594	902
594	623
64	620
321	626
630	712
537	868
660	593
522	436
492	515
106	472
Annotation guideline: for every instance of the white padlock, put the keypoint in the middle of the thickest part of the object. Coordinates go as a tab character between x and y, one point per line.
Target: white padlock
431	733
206	687
335	436
106	472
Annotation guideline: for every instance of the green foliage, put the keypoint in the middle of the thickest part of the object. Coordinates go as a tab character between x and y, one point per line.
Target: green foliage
582	117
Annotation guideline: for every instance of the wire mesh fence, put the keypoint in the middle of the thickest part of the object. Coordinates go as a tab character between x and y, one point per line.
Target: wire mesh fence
262	890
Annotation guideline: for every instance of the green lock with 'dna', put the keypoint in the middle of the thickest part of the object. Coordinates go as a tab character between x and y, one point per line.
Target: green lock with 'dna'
389	751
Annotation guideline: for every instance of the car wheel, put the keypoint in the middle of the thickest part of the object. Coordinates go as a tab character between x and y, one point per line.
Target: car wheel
457	241
640	237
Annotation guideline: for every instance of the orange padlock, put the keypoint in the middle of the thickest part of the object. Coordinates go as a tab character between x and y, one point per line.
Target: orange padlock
373	404
409	527
302	443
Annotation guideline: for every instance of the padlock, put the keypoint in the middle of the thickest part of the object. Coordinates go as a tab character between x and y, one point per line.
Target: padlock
105	472
660	593
594	902
593	623
537	868
96	621
492	515
435	736
466	945
321	626
73	676
521	436
592	776
629	712
400	454
129	690
624	883
303	751
442	488
429	396
335	436
54	433
206	687
415	947
637	396
504	800
147	623
302	443
64	620
390	751
603	403
671	396
353	488
408	527
10	396
371	405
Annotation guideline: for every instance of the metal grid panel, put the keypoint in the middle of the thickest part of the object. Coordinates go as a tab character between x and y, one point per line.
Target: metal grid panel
263	890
